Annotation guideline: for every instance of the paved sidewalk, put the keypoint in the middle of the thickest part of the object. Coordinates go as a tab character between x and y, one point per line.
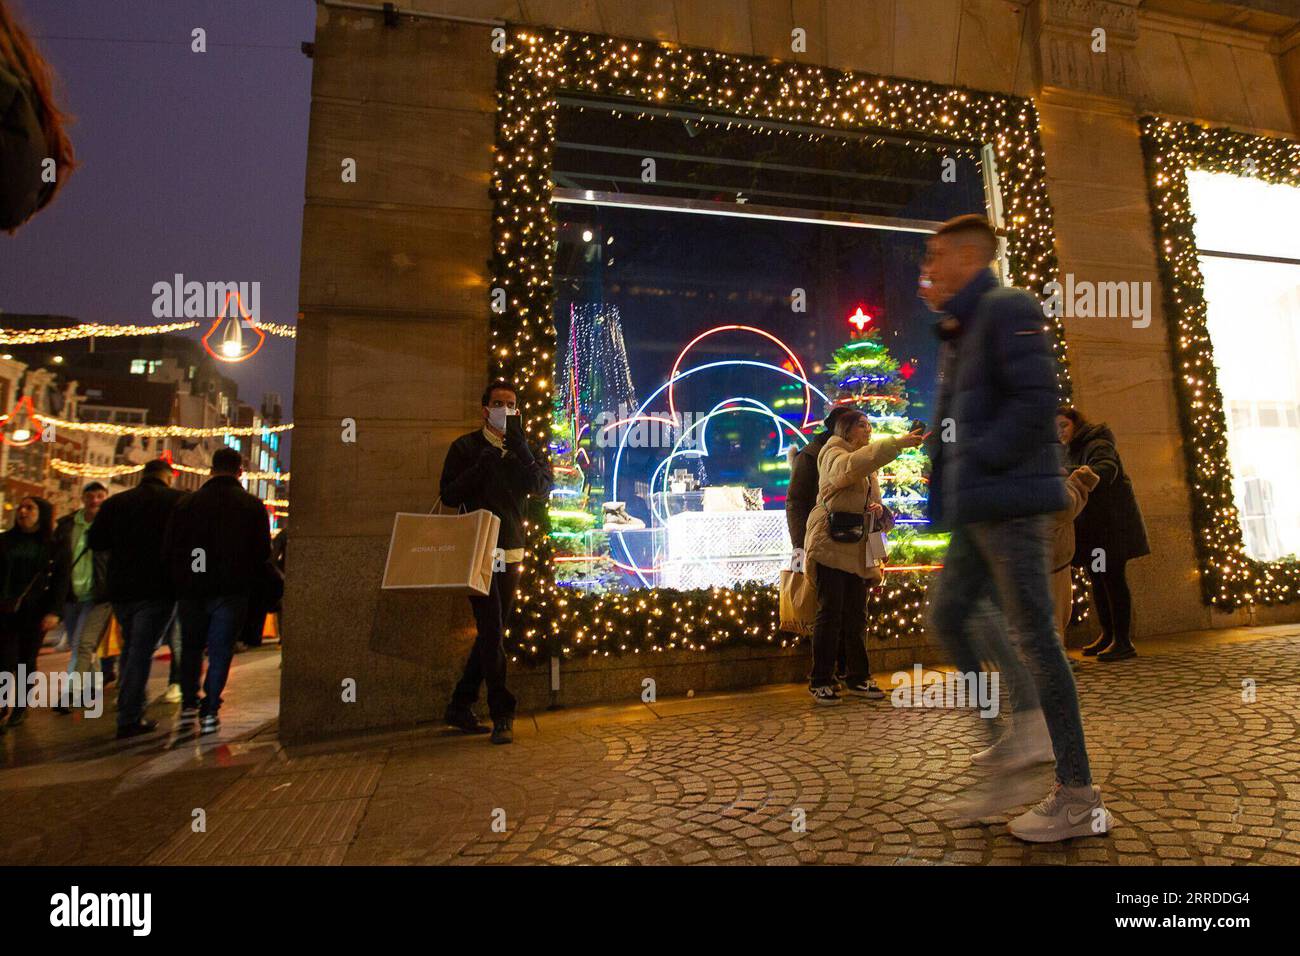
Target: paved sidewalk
1191	771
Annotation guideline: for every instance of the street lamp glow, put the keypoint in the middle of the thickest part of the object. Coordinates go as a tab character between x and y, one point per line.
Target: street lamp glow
230	349
22	435
586	235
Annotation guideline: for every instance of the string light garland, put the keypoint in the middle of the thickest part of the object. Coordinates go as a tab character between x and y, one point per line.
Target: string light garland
536	66
87	330
94	330
84	470
1229	577
162	431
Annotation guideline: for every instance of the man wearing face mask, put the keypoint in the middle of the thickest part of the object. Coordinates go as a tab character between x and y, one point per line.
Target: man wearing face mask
493	469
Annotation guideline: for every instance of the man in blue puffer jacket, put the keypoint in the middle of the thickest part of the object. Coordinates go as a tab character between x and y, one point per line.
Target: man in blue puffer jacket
997	476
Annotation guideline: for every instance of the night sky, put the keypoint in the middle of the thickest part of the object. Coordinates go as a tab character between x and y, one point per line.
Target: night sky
190	162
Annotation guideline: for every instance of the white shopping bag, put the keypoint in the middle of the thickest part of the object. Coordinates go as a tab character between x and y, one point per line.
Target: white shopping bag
453	553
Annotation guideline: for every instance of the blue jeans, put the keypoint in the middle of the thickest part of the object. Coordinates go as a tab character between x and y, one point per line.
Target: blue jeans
144	625
213	623
85	622
174	642
1012	554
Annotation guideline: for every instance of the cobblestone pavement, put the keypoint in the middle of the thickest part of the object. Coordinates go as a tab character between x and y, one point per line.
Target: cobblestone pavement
1192	772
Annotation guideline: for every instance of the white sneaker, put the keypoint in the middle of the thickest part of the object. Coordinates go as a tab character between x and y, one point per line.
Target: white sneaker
990	799
1067	812
173	694
1025	743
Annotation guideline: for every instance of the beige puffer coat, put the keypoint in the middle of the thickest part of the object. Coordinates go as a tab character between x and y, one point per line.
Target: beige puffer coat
846	482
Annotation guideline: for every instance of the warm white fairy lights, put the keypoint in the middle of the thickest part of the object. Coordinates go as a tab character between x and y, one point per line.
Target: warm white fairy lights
161	431
1229	577
95	330
539	65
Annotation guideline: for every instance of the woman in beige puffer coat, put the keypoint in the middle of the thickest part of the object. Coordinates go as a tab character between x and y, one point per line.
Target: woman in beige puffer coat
842	571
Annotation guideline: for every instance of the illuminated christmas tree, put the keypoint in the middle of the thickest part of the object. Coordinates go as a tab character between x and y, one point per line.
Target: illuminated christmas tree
863	374
595	387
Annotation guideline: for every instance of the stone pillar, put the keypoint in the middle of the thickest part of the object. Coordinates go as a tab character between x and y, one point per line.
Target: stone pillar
1122	372
393	336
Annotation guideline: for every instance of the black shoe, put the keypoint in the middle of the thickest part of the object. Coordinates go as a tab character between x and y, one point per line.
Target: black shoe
1097	646
464	720
864	688
827	694
209	724
136	729
189	711
503	731
1120	652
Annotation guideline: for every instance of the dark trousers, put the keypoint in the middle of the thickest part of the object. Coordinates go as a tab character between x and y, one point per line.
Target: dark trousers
213	624
144	627
20	643
487	658
840	621
1113	601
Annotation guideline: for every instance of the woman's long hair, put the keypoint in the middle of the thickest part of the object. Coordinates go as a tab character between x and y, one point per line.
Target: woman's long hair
1074	415
18	50
44	517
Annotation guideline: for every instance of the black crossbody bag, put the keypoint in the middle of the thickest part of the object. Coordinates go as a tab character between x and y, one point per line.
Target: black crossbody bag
846	527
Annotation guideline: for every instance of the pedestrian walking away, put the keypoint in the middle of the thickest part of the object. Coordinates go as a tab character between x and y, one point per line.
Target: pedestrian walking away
494	469
217	548
130	528
996	479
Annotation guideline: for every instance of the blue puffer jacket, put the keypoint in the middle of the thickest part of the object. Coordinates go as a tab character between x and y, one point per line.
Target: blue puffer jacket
999	390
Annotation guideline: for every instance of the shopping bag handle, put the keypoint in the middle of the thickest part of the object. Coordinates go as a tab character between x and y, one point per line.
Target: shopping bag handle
437	503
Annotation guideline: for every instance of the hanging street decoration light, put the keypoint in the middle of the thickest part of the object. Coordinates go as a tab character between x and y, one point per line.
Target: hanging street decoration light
228	331
22	425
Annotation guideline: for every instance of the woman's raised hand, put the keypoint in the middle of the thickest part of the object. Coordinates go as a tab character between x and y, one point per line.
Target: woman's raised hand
912	439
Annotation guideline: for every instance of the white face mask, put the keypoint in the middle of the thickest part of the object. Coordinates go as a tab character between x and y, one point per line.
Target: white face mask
497	418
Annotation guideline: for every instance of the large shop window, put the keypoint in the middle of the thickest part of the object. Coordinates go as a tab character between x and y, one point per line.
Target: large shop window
1245	238
719	285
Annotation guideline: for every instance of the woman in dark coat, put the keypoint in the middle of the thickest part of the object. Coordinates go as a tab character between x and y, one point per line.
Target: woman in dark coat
1108	533
31	585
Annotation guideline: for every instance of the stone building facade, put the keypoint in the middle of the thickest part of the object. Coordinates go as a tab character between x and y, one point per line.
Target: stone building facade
396	280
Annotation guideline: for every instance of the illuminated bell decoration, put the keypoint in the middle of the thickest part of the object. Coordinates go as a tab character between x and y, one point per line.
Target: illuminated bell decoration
21	426
228	330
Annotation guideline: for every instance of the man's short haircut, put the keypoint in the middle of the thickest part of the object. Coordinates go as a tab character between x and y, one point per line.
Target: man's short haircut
226	461
155	466
971	228
493	386
93	486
